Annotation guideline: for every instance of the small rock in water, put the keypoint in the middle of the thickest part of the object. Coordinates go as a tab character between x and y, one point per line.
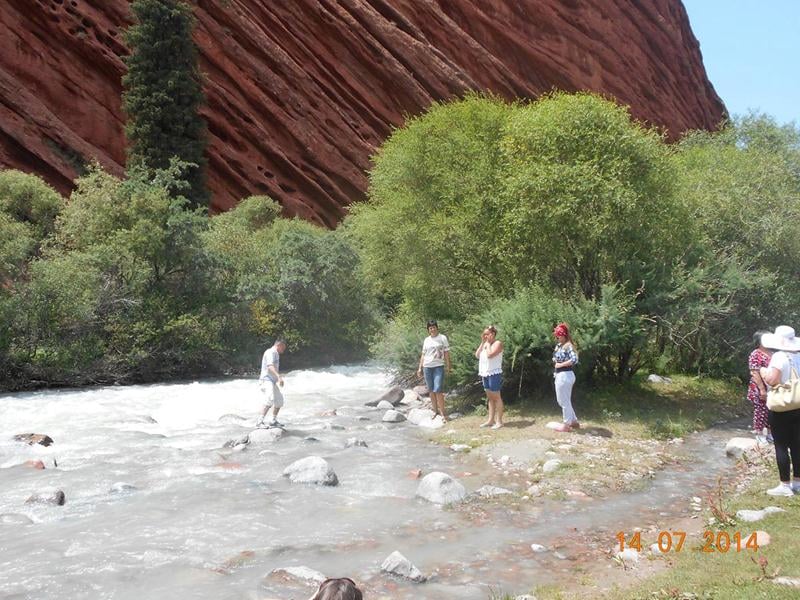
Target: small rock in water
237	442
265	436
312	469
14	519
310	439
34	464
34	438
120	487
538	548
460	448
385	405
333	427
393	416
397	564
351	442
414	474
328	413
303	574
440	488
489	491
55	498
231	419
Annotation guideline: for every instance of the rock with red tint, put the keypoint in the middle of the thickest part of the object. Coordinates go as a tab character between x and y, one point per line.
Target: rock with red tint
302	93
414	474
34	464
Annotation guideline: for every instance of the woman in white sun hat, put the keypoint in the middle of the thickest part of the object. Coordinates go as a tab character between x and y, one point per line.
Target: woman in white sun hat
785	425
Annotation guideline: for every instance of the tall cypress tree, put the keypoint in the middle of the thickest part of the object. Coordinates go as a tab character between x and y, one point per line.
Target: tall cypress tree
163	93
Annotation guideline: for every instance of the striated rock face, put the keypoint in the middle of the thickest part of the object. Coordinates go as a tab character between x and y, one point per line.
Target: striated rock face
302	92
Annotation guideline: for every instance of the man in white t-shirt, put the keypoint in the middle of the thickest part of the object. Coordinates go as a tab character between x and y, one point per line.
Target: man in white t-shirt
434	362
271	383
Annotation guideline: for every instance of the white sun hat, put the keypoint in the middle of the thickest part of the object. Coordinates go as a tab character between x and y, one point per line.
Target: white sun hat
783	339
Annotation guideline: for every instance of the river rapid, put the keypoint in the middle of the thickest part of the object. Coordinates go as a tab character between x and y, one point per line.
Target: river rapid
156	506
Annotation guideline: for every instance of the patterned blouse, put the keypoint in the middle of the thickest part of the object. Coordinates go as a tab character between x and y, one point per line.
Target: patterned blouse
565	353
756	360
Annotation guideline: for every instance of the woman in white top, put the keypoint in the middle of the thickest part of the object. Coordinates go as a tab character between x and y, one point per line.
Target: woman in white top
785	426
490	369
435	363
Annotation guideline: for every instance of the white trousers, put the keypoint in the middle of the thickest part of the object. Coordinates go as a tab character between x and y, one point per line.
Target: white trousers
564	382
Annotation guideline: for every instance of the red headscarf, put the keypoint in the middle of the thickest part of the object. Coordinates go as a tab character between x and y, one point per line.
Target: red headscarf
561	330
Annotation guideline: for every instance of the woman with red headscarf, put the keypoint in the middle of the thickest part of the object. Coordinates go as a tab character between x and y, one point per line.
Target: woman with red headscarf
564	360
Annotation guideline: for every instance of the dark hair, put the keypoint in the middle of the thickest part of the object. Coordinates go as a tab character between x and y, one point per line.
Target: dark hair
280	341
343	588
757	337
432	323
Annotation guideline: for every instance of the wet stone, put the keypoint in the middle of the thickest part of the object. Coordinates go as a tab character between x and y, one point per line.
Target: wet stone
56	498
34	438
397	564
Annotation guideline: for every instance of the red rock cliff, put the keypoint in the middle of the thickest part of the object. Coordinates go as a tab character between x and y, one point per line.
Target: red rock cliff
302	92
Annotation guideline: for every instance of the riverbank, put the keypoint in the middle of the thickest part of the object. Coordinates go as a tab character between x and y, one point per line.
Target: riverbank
630	442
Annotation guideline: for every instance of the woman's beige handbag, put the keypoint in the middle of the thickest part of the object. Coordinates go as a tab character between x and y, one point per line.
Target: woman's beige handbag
786	396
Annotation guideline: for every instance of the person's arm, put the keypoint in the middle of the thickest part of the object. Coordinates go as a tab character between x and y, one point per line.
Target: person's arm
480	347
271	368
421	358
770	375
760	383
495	349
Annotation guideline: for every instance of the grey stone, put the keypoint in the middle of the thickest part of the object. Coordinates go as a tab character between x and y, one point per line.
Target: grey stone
393	416
266	436
312	469
351	442
490	491
302	574
56	498
397	564
440	488
551	465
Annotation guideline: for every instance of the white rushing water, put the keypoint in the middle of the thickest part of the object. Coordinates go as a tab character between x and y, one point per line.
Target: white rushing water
193	507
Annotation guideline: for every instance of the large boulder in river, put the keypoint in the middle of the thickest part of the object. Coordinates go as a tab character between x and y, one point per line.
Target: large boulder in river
440	488
311	469
34	438
394	396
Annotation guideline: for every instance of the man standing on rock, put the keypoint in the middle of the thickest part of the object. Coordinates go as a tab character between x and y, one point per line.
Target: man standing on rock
271	383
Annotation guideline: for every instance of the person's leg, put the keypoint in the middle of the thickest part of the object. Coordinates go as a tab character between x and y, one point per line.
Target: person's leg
564	382
782	432
277	401
438	382
794	447
489	405
498	408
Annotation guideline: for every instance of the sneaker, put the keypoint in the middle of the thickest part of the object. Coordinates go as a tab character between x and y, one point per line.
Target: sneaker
781	489
497	426
261	424
276	423
487	424
770	439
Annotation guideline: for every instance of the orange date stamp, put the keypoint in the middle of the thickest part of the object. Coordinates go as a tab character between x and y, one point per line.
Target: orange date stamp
712	541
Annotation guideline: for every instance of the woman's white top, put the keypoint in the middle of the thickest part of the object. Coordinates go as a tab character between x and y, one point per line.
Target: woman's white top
782	361
489	366
433	349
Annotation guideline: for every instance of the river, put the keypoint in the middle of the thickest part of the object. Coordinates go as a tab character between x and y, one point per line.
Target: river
155	506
